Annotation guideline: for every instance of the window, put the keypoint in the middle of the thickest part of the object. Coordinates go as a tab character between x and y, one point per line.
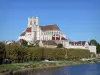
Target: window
52	33
35	22
44	33
48	32
30	22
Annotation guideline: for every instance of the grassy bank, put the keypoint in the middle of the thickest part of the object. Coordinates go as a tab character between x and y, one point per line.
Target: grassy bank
40	64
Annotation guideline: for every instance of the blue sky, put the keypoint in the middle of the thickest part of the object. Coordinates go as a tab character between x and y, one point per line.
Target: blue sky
78	19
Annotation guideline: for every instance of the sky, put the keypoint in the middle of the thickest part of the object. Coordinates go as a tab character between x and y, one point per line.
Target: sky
78	19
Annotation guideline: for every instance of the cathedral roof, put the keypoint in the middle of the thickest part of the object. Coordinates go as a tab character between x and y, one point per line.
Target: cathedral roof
23	34
29	29
50	27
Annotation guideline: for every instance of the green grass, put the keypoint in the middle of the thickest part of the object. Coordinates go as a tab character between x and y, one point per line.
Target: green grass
17	66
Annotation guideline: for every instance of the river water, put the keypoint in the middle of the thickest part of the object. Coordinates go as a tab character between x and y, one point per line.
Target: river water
84	69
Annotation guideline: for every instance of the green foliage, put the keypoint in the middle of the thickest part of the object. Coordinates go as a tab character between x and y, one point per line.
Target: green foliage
56	53
15	52
94	42
59	53
60	46
98	48
35	53
78	53
17	66
18	53
24	43
2	52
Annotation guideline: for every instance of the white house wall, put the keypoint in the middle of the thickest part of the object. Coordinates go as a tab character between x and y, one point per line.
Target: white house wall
92	49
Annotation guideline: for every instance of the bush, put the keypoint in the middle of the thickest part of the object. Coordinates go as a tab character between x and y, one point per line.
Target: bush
15	52
60	46
24	43
78	53
18	53
2	52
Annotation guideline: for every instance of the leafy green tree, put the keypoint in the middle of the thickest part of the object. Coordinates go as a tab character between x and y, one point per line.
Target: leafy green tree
2	52
98	48
94	42
24	43
16	53
20	53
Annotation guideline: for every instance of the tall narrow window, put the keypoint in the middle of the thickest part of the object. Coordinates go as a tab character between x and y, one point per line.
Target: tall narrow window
30	22
52	33
35	22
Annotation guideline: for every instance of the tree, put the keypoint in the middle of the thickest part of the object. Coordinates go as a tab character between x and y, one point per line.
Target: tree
16	53
98	48
94	42
60	46
2	52
24	43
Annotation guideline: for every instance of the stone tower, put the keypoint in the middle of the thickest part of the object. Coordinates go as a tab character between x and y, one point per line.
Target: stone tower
33	22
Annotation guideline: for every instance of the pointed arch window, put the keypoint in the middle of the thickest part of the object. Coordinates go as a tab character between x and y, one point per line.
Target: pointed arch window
30	22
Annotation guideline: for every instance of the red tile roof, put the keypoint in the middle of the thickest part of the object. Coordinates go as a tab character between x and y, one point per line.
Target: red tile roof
29	29
49	27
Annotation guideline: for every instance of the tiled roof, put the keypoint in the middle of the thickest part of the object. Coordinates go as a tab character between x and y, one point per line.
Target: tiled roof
29	29
23	34
20	40
49	27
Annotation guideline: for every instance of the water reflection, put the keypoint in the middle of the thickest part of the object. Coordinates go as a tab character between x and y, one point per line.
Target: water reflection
85	69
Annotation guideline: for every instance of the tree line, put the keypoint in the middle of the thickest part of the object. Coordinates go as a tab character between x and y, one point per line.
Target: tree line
19	53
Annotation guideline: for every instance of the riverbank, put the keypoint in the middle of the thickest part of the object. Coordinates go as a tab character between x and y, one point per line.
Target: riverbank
25	67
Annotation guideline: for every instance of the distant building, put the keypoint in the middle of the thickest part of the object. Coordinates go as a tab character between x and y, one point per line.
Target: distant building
81	45
50	36
10	42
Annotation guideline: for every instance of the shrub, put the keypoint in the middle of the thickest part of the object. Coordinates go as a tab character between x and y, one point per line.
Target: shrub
2	52
78	53
18	53
24	43
60	46
15	52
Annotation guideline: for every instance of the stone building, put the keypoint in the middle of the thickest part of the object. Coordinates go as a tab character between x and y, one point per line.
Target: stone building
50	36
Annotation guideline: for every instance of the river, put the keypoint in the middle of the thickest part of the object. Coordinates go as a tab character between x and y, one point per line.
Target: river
84	69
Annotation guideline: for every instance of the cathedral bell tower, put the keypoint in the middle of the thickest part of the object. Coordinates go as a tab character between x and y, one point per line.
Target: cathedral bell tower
33	22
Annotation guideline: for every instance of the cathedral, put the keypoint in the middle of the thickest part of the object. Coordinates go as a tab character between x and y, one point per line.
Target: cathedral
35	32
50	36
